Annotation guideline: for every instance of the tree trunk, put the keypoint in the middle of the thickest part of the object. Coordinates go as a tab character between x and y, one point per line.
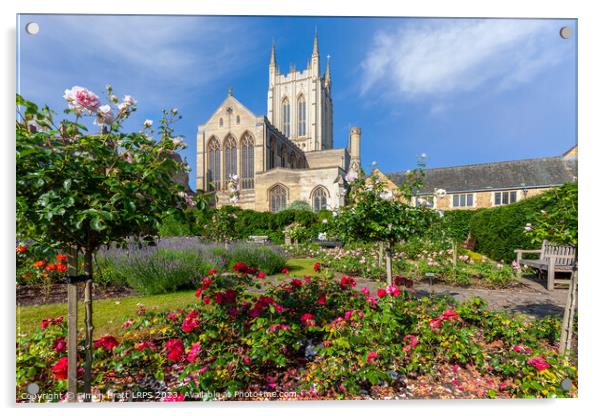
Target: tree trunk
455	252
389	264
566	332
89	325
72	329
380	254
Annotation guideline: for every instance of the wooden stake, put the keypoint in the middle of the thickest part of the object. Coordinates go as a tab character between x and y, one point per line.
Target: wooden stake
72	329
388	253
89	326
566	334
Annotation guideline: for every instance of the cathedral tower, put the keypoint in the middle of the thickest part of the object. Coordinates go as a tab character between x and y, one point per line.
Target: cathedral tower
300	104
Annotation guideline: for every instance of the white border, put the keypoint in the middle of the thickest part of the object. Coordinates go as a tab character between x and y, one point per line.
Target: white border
589	127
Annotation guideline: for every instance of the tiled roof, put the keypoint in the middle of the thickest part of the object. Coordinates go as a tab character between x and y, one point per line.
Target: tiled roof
515	174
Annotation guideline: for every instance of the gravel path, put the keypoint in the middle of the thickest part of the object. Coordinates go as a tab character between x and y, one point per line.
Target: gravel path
530	297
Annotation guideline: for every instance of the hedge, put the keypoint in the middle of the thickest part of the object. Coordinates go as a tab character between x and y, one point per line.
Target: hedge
248	222
499	231
456	223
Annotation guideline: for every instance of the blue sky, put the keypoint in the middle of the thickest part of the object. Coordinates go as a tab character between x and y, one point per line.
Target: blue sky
460	90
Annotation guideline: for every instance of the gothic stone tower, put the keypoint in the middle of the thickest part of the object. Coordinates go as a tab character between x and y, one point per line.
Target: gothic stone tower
300	103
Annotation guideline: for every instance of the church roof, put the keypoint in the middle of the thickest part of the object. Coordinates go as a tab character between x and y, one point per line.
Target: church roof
515	174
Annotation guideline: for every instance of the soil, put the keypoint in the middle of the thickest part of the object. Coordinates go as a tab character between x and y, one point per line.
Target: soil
57	293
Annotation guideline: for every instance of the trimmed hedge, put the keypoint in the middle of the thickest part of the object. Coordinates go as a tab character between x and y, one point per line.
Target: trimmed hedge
499	231
249	222
456	223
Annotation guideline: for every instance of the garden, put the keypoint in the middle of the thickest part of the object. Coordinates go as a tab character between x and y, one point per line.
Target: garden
187	308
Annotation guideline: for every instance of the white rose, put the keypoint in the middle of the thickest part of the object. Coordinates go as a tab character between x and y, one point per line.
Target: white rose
104	115
129	100
148	123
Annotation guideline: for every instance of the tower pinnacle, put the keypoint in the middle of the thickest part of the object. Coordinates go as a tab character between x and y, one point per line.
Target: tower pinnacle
273	57
327	75
315	52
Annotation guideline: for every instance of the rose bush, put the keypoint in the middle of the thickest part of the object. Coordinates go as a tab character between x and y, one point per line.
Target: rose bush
318	336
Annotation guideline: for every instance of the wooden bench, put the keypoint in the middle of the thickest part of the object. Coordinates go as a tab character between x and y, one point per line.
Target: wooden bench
329	243
260	239
552	259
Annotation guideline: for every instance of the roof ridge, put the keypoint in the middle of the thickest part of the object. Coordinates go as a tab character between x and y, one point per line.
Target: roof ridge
487	163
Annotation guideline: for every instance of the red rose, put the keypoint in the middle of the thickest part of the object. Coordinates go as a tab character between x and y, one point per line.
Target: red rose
21	248
190	324
206	300
60	369
284	270
435	324
51	266
212	272
107	342
61	267
45	323
197	294
308	319
59	344
449	315
261	275
317	267
175	349
246	359
173	397
412	340
371	356
539	363
61	257
381	293
322	300
296	283
39	264
347	282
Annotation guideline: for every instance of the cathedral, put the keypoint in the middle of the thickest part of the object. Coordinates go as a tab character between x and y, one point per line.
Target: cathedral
284	156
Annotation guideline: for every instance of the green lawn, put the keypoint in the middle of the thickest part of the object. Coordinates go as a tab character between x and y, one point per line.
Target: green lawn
110	314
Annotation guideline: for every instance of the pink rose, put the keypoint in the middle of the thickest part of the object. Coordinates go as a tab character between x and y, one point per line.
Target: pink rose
539	363
371	356
80	99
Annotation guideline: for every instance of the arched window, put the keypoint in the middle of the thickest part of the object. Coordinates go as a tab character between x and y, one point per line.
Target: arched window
286	117
221	122
320	199
292	160
301	114
230	156
272	153
213	171
247	156
277	198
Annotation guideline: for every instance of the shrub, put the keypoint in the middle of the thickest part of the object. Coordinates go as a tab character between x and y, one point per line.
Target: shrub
155	270
317	337
269	259
499	231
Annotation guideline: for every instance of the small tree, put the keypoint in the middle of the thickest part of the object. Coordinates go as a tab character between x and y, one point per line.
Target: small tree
82	190
375	214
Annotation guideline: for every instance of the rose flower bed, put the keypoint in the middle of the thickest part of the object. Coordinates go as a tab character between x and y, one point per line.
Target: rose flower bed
317	337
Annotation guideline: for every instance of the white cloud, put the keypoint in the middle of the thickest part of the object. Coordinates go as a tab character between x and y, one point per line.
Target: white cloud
443	57
158	56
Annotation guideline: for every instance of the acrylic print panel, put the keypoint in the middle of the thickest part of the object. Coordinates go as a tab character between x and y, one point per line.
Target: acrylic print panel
295	208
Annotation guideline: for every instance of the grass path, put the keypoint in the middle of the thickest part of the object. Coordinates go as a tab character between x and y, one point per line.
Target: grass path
110	314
